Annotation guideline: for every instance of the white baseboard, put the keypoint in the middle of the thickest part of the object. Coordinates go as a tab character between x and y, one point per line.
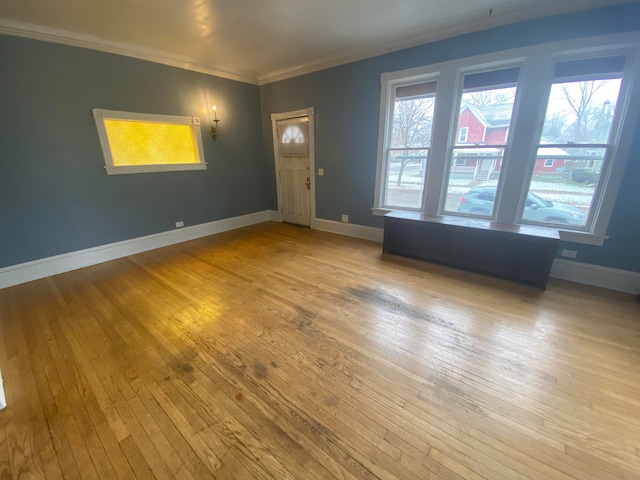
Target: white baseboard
349	229
604	277
595	275
275	216
34	270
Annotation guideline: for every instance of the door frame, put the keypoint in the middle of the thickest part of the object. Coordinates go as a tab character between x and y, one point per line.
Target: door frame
275	117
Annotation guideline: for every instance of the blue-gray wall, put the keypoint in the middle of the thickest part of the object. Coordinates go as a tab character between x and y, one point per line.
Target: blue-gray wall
55	196
347	102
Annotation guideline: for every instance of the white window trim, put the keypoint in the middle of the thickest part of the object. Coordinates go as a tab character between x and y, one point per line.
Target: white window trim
548	162
466	134
594	233
452	145
384	138
100	115
538	62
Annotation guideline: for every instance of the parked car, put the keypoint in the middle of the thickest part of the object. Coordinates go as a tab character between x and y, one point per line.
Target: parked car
480	201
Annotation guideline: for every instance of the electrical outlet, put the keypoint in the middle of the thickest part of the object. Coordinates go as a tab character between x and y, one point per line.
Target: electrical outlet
345	218
321	172
179	224
569	253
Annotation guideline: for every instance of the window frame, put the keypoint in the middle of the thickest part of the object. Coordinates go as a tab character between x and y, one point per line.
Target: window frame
536	77
452	144
621	134
382	175
100	115
466	134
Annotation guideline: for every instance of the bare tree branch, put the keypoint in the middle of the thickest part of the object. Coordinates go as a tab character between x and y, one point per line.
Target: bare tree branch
412	122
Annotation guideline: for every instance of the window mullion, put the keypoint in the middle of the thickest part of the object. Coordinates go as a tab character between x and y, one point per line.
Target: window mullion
442	124
532	97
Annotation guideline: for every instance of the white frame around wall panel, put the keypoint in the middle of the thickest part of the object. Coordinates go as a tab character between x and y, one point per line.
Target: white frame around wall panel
100	115
537	69
275	117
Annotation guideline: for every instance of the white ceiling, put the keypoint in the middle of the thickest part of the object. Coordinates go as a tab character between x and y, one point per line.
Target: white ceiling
258	41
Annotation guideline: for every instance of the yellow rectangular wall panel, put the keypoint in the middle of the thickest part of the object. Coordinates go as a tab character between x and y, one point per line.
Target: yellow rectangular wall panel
149	143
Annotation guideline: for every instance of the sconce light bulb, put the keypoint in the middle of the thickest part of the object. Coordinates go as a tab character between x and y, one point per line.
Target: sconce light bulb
214	123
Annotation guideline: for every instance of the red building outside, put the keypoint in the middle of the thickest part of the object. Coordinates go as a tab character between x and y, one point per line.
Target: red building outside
489	125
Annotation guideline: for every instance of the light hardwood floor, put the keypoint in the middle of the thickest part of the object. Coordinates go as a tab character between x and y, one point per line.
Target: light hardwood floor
279	352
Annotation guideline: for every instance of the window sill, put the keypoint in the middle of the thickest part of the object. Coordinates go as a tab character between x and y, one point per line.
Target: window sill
154	168
380	212
586	238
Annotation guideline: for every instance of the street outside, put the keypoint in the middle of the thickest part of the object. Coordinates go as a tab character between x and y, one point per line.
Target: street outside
408	193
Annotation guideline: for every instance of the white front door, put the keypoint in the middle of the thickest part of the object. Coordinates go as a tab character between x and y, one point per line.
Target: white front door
294	170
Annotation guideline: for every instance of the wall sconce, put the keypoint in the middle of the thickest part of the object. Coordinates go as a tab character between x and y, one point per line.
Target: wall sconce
214	125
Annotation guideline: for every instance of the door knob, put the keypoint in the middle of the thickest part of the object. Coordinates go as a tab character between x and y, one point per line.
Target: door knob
308	183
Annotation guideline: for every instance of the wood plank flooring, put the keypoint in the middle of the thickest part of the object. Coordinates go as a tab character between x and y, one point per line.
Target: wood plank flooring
279	352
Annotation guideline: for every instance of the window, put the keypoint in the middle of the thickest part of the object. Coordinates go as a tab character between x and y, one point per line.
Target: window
486	105
535	135
576	132
140	143
293	140
292	134
464	133
408	152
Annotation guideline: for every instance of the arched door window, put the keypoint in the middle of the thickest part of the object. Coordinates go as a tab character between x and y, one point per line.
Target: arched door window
293	140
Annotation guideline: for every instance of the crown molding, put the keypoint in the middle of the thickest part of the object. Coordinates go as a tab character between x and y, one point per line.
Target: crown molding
459	26
64	37
454	28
